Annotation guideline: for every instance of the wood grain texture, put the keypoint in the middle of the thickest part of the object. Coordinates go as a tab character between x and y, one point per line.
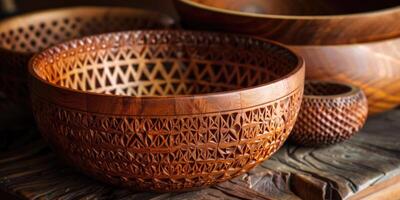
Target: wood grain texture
166	110
336	172
373	66
386	190
297	22
360	57
330	113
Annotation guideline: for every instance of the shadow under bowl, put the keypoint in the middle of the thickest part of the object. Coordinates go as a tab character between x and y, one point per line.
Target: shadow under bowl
166	110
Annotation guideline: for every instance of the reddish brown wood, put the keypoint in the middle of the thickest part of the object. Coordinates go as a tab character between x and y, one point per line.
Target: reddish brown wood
297	22
24	35
330	113
166	110
373	66
371	63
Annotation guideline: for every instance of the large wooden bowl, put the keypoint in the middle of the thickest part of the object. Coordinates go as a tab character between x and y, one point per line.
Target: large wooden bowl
24	35
297	22
338	43
166	110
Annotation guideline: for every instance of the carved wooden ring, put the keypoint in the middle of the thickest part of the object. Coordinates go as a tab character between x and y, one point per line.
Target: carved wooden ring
166	110
24	35
330	113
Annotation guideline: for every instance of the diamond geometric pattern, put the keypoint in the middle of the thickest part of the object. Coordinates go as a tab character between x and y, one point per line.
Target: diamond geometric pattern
328	119
168	153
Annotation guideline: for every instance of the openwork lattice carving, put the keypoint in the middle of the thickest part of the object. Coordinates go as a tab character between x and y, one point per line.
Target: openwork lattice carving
141	109
169	68
330	113
22	36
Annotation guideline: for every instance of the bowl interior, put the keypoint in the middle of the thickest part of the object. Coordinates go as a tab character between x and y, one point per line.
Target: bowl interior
162	63
301	7
33	32
325	88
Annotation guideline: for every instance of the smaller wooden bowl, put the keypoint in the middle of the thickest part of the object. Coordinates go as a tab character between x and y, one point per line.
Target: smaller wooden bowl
330	113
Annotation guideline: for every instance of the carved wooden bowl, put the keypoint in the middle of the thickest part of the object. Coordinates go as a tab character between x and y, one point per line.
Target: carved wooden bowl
166	110
338	43
330	113
22	36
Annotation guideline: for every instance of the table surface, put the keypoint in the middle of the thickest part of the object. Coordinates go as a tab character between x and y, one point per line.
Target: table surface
366	165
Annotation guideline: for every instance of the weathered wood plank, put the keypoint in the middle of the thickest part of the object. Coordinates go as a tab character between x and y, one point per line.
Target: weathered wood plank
335	172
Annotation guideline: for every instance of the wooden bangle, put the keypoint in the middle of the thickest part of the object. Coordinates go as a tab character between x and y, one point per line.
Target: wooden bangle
330	113
166	110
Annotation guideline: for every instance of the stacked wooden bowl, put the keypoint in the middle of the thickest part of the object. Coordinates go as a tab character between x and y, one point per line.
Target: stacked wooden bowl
340	40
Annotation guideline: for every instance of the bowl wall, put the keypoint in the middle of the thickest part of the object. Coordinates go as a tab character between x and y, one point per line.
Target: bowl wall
374	67
300	22
299	7
166	110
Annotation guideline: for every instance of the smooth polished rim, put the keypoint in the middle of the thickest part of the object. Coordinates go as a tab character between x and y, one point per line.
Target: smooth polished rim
352	90
304	17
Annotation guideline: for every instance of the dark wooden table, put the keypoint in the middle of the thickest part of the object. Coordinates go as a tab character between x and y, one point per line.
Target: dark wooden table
367	166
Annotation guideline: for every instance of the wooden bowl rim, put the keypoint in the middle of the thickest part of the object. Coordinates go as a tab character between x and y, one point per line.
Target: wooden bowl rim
350	45
299	67
291	17
169	21
353	90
